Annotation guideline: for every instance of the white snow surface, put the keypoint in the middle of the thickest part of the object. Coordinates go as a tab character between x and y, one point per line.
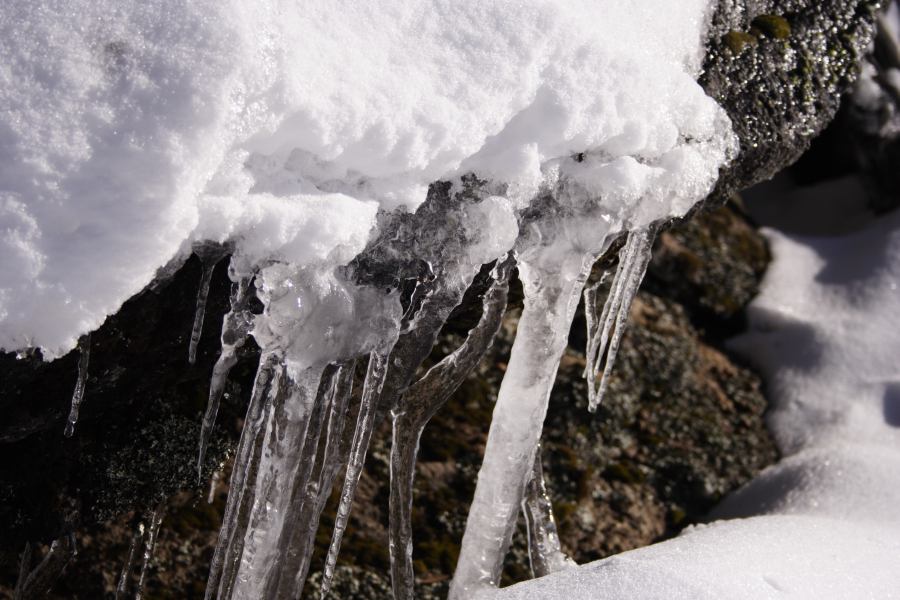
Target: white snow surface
824	522
129	129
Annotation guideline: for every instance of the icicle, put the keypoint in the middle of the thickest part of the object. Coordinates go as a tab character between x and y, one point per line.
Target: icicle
24	568
419	404
375	376
544	551
39	581
298	538
125	575
213	485
156	517
552	291
605	334
294	404
209	255
84	357
236	327
234	522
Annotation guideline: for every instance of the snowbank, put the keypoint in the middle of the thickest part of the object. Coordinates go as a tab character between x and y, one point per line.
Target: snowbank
128	129
827	525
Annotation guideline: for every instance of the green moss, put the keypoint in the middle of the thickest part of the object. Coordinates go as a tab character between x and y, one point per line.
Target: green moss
772	26
738	41
624	472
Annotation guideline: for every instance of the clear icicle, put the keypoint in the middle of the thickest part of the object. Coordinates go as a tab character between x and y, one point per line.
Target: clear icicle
156	517
39	581
298	538
24	569
236	327
84	358
605	334
125	575
419	404
292	408
209	255
552	290
213	485
544	550
375	376
234	522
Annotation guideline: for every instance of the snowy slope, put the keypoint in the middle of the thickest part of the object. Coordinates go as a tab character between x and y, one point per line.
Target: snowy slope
825	521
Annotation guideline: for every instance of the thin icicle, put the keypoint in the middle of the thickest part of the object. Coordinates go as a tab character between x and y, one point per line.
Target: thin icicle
419	404
236	327
156	517
39	581
375	375
24	568
605	334
84	357
544	550
209	255
125	575
213	486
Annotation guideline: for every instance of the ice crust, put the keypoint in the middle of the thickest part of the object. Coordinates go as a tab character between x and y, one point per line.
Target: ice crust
129	130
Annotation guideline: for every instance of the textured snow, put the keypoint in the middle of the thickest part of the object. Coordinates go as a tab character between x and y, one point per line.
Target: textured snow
824	521
130	129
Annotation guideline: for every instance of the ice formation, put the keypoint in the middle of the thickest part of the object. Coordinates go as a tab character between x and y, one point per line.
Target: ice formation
361	164
84	357
823	521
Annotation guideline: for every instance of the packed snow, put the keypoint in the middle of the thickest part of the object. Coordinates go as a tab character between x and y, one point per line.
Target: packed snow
823	522
130	129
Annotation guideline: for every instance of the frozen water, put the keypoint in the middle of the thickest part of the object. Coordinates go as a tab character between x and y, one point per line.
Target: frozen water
84	357
605	333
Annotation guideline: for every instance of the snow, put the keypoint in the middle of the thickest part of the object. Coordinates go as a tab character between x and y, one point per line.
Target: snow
823	522
130	129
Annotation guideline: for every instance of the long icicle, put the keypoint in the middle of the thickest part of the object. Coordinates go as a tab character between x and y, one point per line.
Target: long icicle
419	403
552	291
24	569
544	550
209	255
39	581
156	517
608	331
234	521
84	357
375	376
299	536
125	575
286	558
236	325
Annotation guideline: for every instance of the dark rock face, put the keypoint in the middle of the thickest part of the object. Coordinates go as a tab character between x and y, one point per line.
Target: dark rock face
779	68
136	439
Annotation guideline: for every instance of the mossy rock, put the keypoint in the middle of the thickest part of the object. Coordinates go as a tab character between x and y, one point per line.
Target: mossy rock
772	26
